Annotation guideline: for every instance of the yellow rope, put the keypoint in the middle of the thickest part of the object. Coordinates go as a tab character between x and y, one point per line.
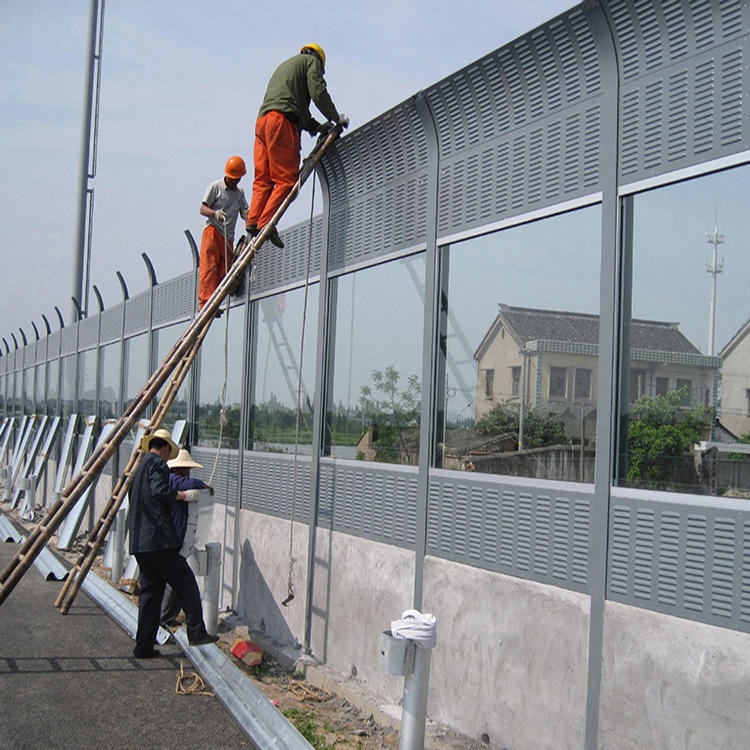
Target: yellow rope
190	683
308	692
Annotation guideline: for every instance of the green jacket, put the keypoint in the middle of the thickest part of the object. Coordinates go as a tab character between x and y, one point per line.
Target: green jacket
292	85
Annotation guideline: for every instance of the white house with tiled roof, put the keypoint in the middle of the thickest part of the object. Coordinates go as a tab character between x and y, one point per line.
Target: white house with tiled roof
549	358
735	382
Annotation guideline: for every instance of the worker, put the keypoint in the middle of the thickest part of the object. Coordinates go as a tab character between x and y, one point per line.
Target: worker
223	202
284	113
180	481
156	546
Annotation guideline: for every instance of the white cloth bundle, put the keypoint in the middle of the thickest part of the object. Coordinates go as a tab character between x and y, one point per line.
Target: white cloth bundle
418	627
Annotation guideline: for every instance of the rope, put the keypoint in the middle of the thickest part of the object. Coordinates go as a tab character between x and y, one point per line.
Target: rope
290	583
307	692
223	411
191	683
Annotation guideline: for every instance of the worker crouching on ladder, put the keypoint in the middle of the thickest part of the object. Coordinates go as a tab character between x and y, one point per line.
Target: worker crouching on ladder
223	201
284	113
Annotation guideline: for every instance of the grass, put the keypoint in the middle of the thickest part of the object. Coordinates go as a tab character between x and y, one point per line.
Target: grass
306	725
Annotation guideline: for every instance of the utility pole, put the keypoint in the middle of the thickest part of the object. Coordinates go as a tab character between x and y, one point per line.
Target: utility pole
87	169
714	268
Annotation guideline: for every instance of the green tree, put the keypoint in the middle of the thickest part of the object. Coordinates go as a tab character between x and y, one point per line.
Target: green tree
393	415
660	431
540	426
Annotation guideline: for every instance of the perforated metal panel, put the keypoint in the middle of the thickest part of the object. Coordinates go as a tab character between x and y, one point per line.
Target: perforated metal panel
529	532
684	82
275	267
378	180
88	332
111	320
521	128
137	313
53	345
41	351
373	502
685	559
224	479
174	300
69	339
268	481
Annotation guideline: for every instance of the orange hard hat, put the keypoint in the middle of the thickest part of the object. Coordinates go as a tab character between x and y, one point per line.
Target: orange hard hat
235	167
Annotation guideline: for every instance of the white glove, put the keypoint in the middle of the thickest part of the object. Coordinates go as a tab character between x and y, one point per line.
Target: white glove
220	216
191	496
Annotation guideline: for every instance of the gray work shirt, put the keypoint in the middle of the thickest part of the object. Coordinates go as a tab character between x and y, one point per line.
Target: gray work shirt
232	202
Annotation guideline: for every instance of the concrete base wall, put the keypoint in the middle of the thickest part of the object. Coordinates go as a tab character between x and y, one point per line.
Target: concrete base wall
511	659
672	683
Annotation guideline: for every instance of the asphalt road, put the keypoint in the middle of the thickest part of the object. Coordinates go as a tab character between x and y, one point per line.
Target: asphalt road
72	682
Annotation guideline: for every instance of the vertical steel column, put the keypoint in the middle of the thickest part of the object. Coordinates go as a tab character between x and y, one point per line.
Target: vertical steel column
430	342
78	292
609	280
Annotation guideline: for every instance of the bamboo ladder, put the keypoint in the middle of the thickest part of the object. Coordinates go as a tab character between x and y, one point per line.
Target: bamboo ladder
177	363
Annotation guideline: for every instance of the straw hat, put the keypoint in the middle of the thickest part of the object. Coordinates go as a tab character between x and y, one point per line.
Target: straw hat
164	435
184	461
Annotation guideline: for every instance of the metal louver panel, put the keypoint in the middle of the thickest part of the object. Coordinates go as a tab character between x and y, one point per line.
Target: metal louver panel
111	329
681	559
684	83
521	128
524	532
88	332
276	267
370	502
68	340
268	481
137	313
53	345
224	479
378	188
174	300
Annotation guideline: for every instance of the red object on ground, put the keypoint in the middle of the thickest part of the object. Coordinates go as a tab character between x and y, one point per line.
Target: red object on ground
248	652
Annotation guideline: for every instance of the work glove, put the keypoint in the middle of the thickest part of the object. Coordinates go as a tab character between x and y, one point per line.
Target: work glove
343	121
220	216
191	496
325	128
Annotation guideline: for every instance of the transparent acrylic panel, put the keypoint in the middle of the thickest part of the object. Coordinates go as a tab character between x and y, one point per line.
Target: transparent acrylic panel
276	380
53	389
87	381
110	365
685	381
17	392
135	362
166	338
3	381
519	332
374	401
67	385
220	383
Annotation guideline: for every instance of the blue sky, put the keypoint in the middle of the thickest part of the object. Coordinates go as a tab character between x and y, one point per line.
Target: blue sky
181	85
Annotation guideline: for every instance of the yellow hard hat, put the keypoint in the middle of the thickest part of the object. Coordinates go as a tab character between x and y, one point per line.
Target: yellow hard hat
317	49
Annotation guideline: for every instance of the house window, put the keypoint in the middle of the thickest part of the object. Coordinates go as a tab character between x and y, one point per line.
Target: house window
558	382
662	386
583	383
515	388
637	384
489	383
686	384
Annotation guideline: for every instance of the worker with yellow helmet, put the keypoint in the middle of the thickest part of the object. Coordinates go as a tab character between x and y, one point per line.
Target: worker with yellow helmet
284	113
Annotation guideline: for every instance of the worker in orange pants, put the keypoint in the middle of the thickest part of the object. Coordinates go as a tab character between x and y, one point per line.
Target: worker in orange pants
284	113
222	203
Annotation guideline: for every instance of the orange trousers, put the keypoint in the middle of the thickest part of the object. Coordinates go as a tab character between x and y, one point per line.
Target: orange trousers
213	263
276	156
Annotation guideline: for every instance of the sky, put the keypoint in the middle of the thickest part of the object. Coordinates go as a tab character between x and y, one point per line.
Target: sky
180	89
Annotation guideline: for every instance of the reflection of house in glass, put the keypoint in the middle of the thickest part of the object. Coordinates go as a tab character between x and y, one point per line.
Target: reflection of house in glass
548	359
735	382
